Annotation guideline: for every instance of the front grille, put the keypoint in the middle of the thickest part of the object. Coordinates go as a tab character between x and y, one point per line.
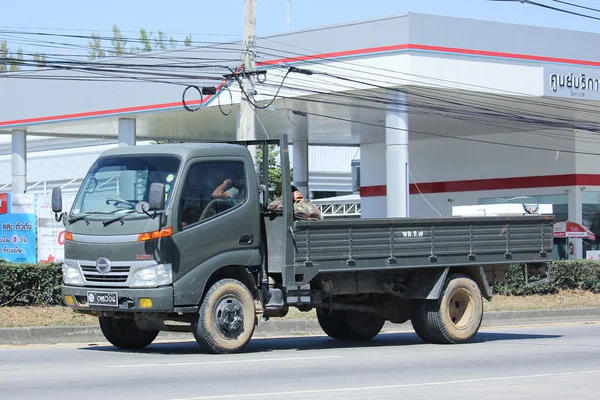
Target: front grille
117	274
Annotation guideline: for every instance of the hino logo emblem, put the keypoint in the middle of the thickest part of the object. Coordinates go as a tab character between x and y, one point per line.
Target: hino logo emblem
103	265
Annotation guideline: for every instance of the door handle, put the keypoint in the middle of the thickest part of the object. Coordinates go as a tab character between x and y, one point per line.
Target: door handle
246	239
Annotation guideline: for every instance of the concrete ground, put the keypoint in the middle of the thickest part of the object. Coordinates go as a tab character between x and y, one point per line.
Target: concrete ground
534	362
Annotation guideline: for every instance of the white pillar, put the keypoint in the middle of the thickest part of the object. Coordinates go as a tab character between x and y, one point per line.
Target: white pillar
19	162
127	131
372	181
396	156
575	208
300	156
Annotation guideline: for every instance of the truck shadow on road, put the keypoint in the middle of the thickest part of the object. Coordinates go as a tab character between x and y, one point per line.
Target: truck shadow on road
261	345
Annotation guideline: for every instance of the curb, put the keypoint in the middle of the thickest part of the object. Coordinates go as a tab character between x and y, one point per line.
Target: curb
278	328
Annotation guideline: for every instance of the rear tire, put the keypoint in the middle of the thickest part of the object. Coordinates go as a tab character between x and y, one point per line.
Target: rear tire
226	319
453	318
350	325
124	333
419	321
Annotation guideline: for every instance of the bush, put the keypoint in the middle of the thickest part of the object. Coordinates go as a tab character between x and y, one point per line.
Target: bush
39	284
30	284
564	275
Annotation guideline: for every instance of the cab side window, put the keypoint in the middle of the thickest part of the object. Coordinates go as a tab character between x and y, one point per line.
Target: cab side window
211	188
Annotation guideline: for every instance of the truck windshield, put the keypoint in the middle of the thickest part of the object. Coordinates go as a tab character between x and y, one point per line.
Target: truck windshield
114	185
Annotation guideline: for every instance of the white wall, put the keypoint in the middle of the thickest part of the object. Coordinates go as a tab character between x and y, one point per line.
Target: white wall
435	160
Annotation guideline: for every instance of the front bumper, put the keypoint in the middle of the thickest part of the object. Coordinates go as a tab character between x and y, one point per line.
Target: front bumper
128	300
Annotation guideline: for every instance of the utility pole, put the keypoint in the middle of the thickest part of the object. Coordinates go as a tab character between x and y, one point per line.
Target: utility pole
246	129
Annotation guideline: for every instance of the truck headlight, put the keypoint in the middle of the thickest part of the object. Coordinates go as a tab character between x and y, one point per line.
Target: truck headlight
72	275
155	275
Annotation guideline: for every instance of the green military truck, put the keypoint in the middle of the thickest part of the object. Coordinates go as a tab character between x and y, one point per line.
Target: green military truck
178	237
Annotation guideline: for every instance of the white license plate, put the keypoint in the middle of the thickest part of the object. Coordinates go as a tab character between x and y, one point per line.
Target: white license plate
103	299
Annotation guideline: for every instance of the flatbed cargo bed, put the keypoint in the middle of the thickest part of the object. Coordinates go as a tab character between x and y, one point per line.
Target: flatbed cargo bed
338	245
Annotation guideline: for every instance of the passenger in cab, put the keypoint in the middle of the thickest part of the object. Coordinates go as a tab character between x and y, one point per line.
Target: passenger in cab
303	209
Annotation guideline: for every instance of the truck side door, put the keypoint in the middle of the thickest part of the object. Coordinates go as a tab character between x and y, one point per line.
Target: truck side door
216	223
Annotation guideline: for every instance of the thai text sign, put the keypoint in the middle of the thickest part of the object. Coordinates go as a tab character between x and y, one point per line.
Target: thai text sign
17	228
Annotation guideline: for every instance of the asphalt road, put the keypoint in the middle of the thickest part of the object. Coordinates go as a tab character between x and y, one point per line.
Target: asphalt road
542	362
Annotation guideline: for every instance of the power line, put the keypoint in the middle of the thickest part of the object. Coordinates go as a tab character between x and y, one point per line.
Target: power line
442	83
94	36
533	3
545	123
547	103
460	107
441	135
33	28
577	5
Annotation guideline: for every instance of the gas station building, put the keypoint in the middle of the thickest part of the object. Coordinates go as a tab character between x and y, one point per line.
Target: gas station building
440	111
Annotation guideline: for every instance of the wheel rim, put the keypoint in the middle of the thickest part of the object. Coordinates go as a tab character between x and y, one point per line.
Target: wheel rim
229	315
461	309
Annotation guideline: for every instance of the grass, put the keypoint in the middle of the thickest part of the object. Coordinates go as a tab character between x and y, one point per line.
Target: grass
64	316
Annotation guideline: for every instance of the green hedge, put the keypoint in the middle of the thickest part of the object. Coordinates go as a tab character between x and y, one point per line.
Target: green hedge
39	284
564	275
30	284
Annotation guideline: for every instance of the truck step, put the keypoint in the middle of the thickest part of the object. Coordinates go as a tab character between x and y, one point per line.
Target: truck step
298	295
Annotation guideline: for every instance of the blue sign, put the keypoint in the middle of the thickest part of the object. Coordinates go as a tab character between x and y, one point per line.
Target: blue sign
18	228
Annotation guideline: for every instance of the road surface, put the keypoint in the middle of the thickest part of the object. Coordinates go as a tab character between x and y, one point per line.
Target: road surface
552	361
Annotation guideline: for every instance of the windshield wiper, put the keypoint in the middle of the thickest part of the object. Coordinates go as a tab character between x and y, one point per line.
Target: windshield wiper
115	219
79	218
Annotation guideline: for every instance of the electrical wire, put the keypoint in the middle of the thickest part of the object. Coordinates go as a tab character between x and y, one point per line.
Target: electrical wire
370	70
428	109
98	37
533	3
31	28
116	71
521	100
577	5
467	139
226	87
529	101
183	98
421	193
274	96
555	146
417	105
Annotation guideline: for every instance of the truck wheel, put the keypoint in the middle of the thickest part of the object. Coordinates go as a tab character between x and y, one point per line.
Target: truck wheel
453	318
124	333
350	325
226	317
419	321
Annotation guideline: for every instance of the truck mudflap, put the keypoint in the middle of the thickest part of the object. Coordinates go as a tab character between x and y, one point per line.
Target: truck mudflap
118	299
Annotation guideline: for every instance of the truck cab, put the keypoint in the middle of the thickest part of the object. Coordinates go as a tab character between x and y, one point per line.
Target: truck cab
144	220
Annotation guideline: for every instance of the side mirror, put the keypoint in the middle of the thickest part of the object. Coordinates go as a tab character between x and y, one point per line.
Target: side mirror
56	200
156	197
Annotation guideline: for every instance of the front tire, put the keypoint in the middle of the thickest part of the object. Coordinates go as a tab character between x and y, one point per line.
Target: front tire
453	318
227	318
349	325
124	333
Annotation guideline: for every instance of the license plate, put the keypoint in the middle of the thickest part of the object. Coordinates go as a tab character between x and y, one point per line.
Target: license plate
103	299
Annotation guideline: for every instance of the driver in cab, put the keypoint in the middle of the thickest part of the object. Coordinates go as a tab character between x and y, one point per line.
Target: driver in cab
202	188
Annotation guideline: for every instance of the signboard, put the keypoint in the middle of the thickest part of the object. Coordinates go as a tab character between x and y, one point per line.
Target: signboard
50	234
18	228
489	210
592	255
573	83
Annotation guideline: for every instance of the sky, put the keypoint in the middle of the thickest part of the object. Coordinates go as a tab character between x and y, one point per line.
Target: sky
209	20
